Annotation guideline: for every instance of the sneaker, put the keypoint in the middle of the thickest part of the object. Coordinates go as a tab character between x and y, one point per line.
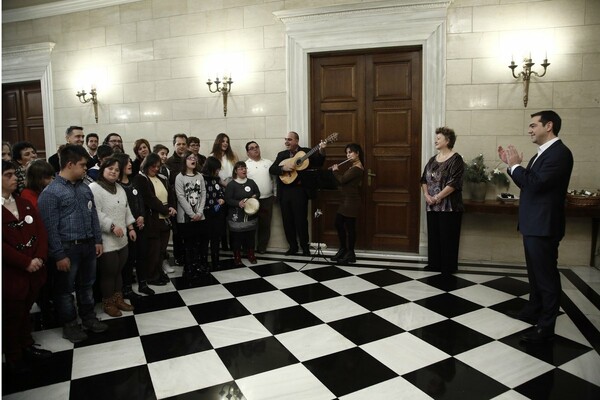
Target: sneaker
94	325
72	332
167	267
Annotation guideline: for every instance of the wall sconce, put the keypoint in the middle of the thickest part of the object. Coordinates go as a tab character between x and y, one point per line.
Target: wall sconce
526	74
225	89
94	99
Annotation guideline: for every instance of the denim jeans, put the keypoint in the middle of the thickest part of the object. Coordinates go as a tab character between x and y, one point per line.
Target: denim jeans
80	278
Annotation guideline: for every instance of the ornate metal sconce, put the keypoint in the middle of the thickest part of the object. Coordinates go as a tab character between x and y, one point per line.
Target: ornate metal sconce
94	99
225	90
526	74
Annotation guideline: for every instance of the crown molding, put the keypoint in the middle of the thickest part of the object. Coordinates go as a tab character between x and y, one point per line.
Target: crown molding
57	8
360	10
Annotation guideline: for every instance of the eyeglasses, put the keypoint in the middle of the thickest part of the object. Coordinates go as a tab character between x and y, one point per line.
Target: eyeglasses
253	148
191	158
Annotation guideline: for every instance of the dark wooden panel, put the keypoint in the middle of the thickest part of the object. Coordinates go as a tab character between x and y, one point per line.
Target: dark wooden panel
338	83
10	106
392	80
32	103
22	114
392	127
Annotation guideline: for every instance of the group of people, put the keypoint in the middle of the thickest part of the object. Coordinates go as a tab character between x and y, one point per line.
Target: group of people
100	228
89	216
541	221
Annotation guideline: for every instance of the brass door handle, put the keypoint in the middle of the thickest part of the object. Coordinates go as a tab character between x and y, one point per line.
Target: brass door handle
370	175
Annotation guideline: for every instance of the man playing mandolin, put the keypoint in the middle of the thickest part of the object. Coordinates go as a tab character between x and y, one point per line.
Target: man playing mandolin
295	186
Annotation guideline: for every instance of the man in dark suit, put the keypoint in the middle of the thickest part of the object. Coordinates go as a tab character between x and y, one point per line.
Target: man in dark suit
543	187
293	197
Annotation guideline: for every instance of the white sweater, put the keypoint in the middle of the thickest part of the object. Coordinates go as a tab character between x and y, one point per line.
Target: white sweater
112	209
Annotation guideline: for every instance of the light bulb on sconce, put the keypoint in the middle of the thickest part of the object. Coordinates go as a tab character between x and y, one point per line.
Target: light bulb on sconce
225	89
526	74
94	99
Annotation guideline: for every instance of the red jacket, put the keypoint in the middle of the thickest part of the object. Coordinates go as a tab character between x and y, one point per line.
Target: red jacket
17	282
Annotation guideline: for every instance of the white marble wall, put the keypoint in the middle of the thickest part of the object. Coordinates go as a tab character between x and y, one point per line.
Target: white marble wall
150	60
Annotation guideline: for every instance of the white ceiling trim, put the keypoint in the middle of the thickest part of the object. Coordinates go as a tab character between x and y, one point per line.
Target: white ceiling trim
57	8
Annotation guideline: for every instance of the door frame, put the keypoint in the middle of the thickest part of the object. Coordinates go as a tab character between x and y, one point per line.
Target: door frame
32	63
364	26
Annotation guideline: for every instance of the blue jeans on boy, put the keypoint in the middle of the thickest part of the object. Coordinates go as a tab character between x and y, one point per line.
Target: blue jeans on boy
80	278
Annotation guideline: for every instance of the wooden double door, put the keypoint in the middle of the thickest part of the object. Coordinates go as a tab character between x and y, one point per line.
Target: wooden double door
372	98
22	115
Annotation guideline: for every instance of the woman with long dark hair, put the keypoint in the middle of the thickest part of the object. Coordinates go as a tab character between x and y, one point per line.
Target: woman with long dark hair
222	151
214	212
191	196
159	203
116	224
141	148
345	219
137	247
39	174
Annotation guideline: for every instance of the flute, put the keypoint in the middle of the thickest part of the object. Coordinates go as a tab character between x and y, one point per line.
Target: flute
343	162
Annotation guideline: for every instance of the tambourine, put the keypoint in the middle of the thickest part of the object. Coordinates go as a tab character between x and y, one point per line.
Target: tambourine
251	206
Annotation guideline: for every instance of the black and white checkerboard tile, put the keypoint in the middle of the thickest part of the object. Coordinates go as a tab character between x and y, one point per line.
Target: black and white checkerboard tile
279	331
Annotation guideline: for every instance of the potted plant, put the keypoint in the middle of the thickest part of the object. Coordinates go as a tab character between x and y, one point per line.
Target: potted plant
477	176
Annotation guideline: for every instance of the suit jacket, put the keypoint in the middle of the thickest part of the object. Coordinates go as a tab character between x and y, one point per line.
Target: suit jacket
544	188
307	178
16	281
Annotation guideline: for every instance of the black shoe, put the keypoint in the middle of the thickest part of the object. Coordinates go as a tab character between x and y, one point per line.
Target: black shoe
291	251
261	251
156	282
349	258
73	332
306	252
340	253
431	269
521	316
33	352
129	294
143	288
164	278
94	325
538	335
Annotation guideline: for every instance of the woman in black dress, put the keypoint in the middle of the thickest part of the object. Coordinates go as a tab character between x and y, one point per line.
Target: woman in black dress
345	219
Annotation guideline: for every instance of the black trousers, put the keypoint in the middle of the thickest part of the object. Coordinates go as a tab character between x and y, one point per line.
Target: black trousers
541	256
294	207
265	214
443	238
346	230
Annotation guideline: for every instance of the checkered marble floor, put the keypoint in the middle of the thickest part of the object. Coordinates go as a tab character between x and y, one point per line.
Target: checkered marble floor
285	330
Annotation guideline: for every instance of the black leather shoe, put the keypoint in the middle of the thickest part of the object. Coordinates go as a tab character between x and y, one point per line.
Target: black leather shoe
291	252
538	335
306	252
348	258
156	282
35	353
530	319
129	294
340	253
143	288
432	269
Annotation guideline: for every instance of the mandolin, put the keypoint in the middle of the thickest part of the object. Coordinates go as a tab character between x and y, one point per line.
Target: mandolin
300	161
